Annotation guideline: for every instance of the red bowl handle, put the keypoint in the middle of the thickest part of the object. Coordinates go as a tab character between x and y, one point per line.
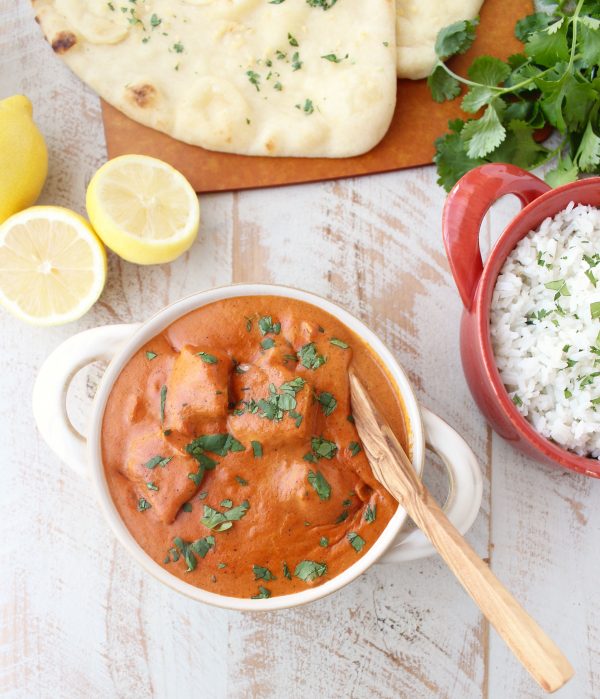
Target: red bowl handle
464	210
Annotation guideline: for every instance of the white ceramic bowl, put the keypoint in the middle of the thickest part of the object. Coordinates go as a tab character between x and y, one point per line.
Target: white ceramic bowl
117	344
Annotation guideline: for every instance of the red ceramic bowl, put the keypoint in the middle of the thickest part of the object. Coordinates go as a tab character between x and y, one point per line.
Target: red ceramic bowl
465	208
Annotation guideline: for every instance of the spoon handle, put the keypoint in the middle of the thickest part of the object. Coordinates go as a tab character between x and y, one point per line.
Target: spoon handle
535	650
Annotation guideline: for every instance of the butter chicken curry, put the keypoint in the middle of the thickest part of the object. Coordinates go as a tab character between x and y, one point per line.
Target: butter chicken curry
230	449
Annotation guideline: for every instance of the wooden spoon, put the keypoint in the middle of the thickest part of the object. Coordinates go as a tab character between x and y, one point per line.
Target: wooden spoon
392	468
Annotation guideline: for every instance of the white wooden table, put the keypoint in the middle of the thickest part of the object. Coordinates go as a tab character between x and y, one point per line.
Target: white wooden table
80	620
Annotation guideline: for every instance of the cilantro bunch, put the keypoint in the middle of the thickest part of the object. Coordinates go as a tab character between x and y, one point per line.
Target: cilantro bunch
553	84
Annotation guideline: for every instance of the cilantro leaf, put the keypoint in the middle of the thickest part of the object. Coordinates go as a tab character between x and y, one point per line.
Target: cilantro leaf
220	521
588	153
263	593
482	136
549	46
519	147
488	70
580	98
320	484
309	570
370	513
309	356
589	42
207	358
356	541
452	160
261	573
442	85
527	26
566	171
457	38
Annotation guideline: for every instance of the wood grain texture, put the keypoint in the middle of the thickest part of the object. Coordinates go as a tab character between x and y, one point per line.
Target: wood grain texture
391	466
79	620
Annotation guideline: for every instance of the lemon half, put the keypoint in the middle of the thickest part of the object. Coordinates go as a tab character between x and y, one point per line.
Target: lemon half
52	265
143	209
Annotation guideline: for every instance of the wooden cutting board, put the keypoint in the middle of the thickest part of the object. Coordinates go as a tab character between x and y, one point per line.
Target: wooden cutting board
417	122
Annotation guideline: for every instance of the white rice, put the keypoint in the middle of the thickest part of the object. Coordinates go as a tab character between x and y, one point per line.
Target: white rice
548	349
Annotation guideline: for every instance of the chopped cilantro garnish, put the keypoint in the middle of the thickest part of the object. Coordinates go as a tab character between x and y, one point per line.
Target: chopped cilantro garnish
261	573
151	355
339	343
292	40
267	343
158	461
323	4
320	484
266	326
220	521
143	505
560	286
354	448
286	571
356	541
323	448
257	449
516	400
342	517
309	356
254	79
263	593
309	570
187	507
163	400
328	402
220	444
296	62
151	485
189	550
207	358
324	542
241	481
370	513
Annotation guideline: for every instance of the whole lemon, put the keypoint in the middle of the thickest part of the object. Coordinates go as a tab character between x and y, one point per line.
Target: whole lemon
23	156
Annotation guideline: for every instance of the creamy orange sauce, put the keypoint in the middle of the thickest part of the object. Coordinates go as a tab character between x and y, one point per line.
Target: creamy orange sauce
290	501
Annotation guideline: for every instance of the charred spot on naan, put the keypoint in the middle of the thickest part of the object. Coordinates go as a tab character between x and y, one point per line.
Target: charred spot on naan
63	41
143	95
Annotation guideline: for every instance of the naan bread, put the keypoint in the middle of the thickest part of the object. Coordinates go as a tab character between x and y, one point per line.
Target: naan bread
286	78
417	25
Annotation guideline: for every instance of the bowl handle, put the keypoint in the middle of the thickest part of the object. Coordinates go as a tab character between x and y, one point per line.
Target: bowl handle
466	488
52	384
464	210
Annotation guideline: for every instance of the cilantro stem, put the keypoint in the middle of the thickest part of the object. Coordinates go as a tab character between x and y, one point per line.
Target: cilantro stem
496	88
575	20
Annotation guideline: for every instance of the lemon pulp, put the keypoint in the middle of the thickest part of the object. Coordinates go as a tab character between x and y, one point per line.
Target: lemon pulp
143	209
52	265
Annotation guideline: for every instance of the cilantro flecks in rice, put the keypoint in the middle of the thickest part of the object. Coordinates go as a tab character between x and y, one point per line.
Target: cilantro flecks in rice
545	328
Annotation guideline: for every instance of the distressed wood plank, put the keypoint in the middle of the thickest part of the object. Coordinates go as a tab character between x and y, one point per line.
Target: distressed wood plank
78	619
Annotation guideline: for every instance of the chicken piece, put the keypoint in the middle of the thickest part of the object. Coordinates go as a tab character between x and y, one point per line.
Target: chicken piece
330	377
275	406
197	390
300	332
161	472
